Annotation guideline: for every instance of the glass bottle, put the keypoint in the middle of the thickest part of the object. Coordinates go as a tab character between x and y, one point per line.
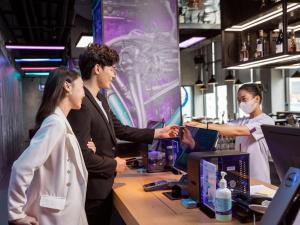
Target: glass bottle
259	45
244	54
279	40
249	47
292	42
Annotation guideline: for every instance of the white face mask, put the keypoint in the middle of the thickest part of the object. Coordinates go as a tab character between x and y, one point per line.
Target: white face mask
249	106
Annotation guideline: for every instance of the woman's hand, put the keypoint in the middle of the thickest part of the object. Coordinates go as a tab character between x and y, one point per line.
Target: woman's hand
195	124
188	139
27	220
91	145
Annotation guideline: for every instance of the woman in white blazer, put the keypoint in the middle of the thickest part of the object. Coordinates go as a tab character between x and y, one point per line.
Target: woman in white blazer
48	181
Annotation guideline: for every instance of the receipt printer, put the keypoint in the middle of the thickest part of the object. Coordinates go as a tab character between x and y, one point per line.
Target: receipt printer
204	172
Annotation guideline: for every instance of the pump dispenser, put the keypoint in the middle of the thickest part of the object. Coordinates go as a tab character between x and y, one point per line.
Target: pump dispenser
223	201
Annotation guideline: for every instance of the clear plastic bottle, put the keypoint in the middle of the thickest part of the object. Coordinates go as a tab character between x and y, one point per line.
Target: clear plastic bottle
223	201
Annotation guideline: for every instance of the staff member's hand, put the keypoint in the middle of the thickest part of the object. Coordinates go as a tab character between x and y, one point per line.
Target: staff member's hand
27	220
188	138
167	132
121	165
195	124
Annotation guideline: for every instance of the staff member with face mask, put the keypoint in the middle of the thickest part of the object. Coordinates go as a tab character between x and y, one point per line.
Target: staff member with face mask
249	136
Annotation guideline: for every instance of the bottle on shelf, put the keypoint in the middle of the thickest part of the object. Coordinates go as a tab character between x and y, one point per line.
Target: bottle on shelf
263	4
279	40
249	47
181	15
244	54
259	45
292	42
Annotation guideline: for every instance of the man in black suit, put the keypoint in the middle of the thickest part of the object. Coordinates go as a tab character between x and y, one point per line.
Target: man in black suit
96	121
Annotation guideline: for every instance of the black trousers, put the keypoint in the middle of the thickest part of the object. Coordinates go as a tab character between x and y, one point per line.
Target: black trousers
98	211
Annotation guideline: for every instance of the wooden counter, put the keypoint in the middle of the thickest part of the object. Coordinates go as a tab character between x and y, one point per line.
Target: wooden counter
152	208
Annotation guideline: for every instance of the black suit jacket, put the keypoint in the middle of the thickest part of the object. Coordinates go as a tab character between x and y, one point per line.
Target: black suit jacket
90	122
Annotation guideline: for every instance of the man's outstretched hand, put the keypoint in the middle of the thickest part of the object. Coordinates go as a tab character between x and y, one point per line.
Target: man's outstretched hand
167	132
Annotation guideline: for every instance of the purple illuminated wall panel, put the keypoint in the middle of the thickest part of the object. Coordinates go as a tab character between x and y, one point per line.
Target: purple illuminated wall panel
145	34
97	20
11	119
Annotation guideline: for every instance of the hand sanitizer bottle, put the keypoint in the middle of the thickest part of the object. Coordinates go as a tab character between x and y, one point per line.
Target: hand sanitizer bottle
223	202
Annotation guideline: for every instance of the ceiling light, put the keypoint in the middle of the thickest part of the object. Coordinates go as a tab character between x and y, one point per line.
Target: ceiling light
202	88
199	83
238	82
229	77
189	42
296	74
37	68
263	19
28	47
212	80
39	60
84	41
37	73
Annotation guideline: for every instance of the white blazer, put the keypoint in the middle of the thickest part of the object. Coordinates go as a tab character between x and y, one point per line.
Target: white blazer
48	181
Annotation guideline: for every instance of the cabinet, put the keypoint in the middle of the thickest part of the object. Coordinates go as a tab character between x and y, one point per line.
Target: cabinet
250	34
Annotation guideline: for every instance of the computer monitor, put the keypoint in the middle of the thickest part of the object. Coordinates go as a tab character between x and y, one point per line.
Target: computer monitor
283	143
205	140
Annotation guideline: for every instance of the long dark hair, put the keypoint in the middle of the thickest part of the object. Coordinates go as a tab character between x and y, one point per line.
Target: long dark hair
54	92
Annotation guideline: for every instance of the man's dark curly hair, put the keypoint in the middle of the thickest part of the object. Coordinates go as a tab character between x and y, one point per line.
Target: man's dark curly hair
96	54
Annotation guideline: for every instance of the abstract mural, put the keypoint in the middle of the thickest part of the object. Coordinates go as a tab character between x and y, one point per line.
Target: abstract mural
145	34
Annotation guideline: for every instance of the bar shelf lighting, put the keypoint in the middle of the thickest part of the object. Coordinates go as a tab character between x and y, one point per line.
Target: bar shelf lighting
281	58
28	47
38	68
264	18
39	60
290	28
189	42
292	66
37	73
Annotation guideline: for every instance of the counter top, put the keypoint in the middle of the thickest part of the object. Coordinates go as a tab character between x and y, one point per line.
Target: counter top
152	208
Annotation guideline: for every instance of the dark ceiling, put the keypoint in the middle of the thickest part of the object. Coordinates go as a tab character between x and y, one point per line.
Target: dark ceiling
37	22
50	22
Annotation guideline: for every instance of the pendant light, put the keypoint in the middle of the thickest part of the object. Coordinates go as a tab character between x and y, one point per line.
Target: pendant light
203	87
212	80
238	82
229	77
199	60
199	82
296	74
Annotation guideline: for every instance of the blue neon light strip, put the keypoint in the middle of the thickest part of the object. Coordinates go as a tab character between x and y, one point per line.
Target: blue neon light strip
39	60
37	73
